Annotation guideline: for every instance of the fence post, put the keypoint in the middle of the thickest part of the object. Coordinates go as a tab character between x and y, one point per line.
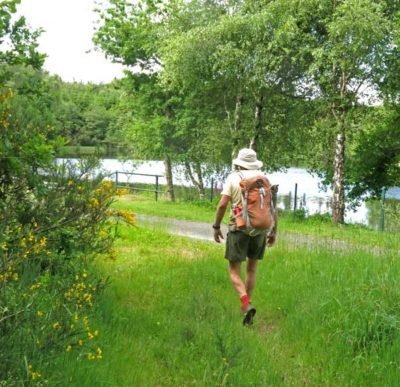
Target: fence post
382	219
116	178
212	190
156	188
295	198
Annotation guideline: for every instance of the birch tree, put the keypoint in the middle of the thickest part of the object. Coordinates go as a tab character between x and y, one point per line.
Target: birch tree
130	33
352	41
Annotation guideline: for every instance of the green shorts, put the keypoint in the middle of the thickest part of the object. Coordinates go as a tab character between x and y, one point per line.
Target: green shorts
240	246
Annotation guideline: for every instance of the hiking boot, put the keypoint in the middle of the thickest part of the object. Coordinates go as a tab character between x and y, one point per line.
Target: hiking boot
249	313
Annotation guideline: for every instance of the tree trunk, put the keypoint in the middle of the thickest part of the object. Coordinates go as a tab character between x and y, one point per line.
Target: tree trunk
169	178
257	123
338	202
237	122
199	182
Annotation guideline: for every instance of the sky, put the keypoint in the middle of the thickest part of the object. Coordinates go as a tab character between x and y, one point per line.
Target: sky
69	27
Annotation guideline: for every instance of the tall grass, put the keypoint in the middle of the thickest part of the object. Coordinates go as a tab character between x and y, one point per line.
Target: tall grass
170	317
319	226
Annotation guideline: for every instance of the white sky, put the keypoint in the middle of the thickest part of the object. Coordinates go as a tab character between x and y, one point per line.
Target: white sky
69	26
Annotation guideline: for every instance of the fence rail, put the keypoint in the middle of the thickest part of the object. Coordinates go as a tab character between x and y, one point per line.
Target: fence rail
129	185
294	200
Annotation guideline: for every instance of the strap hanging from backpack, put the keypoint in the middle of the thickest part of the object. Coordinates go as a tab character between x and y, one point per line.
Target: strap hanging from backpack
257	207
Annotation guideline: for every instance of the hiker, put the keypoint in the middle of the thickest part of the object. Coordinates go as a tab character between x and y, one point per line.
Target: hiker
244	243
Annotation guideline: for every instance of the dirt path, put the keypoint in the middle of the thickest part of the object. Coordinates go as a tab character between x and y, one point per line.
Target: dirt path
204	231
196	230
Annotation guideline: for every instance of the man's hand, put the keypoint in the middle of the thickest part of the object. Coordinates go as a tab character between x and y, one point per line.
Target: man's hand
218	235
271	239
222	206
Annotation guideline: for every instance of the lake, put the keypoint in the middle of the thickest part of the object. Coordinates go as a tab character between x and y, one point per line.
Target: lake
311	195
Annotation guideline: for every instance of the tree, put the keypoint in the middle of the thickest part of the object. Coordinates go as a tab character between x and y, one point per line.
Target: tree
131	34
19	42
348	42
375	161
246	62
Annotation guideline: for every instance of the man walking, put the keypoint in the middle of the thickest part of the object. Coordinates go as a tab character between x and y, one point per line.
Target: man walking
242	245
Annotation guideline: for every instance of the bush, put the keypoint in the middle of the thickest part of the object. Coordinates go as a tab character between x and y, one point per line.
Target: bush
54	221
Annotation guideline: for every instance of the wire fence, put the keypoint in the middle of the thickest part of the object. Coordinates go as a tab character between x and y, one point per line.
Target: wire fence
383	214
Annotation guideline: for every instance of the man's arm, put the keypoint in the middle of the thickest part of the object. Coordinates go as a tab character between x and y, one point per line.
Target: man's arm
219	215
271	239
272	236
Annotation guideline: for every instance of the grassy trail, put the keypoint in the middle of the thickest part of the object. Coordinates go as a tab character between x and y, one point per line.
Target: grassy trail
203	231
170	318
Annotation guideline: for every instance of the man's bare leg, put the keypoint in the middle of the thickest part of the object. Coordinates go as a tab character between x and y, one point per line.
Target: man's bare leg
236	279
251	269
240	287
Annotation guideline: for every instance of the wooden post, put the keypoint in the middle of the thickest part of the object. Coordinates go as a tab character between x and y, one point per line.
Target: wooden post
156	188
382	219
295	198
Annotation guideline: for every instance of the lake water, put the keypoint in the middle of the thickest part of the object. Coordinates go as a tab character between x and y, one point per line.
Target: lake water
310	193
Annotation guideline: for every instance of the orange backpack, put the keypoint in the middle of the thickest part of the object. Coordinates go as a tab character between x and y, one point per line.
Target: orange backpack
257	205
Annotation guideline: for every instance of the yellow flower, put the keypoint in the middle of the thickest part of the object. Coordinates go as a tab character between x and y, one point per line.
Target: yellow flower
99	354
56	325
80	342
128	217
34	374
94	203
43	242
103	234
39	314
35	286
122	191
68	349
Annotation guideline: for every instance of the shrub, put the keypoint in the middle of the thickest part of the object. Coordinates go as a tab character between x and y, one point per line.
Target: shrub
54	221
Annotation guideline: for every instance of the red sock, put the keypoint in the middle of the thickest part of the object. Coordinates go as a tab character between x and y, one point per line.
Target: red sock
245	301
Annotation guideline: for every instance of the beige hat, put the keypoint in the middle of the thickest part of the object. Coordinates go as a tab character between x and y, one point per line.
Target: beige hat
247	159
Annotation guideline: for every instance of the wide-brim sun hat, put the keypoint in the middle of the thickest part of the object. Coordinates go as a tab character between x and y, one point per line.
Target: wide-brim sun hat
247	158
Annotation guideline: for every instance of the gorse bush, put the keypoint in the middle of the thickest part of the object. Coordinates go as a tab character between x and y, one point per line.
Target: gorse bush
54	221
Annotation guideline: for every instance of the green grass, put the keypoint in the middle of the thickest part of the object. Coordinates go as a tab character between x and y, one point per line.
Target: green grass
318	226
185	210
170	317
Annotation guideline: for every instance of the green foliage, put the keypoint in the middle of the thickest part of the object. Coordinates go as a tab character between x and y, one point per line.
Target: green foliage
130	33
83	114
87	114
19	41
54	223
375	162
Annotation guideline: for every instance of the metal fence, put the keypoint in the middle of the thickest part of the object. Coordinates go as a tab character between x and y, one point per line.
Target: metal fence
134	186
380	215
